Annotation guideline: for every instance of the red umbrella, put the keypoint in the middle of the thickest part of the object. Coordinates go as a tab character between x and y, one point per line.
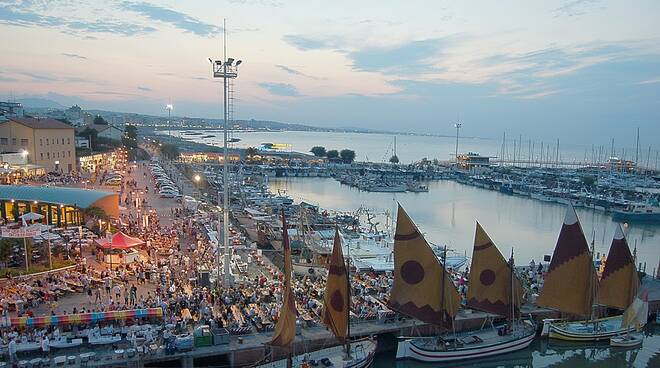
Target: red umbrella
119	241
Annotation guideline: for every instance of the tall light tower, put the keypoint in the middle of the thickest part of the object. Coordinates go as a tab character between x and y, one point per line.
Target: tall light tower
225	69
169	108
458	127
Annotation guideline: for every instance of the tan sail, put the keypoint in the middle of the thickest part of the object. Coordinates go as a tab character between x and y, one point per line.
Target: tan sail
619	282
490	279
570	281
418	289
335	299
285	329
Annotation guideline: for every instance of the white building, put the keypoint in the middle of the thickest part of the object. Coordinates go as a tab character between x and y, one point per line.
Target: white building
82	142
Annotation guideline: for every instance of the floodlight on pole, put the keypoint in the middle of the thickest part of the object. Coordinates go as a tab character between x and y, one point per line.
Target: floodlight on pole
169	108
458	127
225	70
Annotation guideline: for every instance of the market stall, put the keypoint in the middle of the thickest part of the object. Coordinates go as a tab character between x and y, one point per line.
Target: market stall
119	249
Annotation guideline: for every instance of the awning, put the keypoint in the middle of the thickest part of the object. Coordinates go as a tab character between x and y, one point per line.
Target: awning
119	241
31	216
43	321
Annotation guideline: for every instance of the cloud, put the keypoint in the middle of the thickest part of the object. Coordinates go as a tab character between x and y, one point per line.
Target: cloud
39	77
258	2
280	89
295	72
74	56
575	8
305	43
147	89
173	17
649	81
23	15
414	56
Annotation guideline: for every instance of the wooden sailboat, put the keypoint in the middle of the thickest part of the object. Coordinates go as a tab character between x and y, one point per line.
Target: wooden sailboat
635	316
571	285
336	315
423	290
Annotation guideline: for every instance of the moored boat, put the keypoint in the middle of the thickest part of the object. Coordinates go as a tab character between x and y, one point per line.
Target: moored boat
423	290
571	285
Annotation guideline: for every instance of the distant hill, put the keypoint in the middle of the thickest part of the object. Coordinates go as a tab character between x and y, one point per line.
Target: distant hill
40	103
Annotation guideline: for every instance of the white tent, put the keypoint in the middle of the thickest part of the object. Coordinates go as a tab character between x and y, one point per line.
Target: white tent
31	216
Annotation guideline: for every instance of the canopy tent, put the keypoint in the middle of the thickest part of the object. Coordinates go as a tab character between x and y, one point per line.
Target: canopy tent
120	241
31	216
38	322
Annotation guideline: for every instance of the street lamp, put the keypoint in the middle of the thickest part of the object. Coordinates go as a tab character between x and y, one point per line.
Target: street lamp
458	127
169	108
225	69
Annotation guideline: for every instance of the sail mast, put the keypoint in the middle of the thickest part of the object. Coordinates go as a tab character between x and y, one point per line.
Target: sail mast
442	299
348	299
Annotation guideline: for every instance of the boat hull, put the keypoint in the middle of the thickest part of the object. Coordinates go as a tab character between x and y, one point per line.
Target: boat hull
583	331
407	349
627	341
632	216
363	353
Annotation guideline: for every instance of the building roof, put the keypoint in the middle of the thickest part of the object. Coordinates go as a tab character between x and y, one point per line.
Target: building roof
81	198
41	123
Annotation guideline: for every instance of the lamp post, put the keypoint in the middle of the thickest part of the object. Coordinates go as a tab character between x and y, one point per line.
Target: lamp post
169	108
225	69
458	127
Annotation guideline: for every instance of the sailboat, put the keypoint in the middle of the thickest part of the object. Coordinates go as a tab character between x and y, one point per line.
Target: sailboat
635	316
423	290
336	315
571	285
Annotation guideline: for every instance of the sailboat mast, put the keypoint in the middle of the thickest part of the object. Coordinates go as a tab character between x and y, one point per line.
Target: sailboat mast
348	299
513	300
444	272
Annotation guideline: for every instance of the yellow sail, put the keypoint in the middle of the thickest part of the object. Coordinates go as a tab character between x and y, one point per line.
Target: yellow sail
570	281
336	301
490	279
619	282
637	313
418	289
285	329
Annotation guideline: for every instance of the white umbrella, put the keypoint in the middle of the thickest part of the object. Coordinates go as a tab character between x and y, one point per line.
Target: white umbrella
31	216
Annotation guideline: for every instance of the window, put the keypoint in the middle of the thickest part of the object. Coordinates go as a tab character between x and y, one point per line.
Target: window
69	153
24	142
13	141
47	141
41	141
4	141
48	155
68	141
42	155
58	155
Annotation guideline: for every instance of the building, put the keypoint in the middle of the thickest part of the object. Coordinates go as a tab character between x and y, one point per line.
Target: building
107	131
471	160
9	109
61	206
82	142
46	142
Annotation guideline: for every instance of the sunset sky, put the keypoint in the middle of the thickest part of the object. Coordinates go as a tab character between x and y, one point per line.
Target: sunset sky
577	70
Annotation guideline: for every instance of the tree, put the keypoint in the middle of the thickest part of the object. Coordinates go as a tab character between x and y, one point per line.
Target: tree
588	180
169	150
348	156
318	151
129	139
394	159
332	154
92	135
251	151
6	245
98	120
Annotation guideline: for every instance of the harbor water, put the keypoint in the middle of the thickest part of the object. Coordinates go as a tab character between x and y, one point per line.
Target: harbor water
446	214
410	148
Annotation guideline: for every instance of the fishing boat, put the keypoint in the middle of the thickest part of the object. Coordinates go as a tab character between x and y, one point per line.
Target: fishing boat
423	290
103	339
642	212
571	285
336	315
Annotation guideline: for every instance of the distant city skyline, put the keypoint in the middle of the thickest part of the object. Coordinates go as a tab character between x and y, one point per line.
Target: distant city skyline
583	71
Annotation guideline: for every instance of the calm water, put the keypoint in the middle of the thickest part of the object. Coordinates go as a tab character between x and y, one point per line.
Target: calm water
379	147
545	353
447	214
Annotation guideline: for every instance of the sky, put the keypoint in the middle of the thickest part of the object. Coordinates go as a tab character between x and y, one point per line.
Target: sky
583	71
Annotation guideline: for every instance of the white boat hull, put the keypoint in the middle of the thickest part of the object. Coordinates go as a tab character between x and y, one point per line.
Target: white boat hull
363	352
584	330
627	341
407	349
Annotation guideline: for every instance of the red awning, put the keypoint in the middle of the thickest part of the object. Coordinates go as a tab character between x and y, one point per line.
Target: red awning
119	241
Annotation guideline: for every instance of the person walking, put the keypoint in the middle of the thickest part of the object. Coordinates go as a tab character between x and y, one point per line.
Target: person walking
11	349
97	295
